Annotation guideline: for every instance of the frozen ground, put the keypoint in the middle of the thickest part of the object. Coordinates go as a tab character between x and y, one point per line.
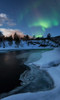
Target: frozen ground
24	45
50	62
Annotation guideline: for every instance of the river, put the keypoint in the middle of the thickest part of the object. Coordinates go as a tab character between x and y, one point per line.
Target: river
13	64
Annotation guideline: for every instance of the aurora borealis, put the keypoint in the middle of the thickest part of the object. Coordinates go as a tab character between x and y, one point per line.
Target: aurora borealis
33	17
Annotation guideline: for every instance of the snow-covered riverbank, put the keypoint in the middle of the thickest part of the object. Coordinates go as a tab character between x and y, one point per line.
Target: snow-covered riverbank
27	45
49	62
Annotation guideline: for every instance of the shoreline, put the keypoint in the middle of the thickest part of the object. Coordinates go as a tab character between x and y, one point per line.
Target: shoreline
26	56
11	50
51	71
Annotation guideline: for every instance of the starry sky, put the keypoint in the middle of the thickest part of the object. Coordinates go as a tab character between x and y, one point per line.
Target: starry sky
33	17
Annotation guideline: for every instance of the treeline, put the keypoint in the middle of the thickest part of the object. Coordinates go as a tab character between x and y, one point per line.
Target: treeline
10	39
16	38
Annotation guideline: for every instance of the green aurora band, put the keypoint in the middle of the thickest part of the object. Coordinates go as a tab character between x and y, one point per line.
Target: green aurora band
45	23
27	10
39	20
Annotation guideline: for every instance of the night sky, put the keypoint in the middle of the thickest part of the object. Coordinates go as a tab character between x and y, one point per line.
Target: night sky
33	17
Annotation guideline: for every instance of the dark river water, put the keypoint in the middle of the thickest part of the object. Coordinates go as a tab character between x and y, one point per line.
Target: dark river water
10	70
12	66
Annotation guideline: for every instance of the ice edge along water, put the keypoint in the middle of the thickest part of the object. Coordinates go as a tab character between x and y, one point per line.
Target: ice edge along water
50	62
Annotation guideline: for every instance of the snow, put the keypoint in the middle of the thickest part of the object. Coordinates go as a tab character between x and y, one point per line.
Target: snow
49	62
24	45
48	57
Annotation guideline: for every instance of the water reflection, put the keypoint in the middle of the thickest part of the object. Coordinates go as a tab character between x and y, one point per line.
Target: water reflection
10	70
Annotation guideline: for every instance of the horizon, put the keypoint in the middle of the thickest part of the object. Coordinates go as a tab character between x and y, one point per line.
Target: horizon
9	32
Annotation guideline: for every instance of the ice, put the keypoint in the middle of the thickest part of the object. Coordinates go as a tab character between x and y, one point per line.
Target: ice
49	62
48	58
